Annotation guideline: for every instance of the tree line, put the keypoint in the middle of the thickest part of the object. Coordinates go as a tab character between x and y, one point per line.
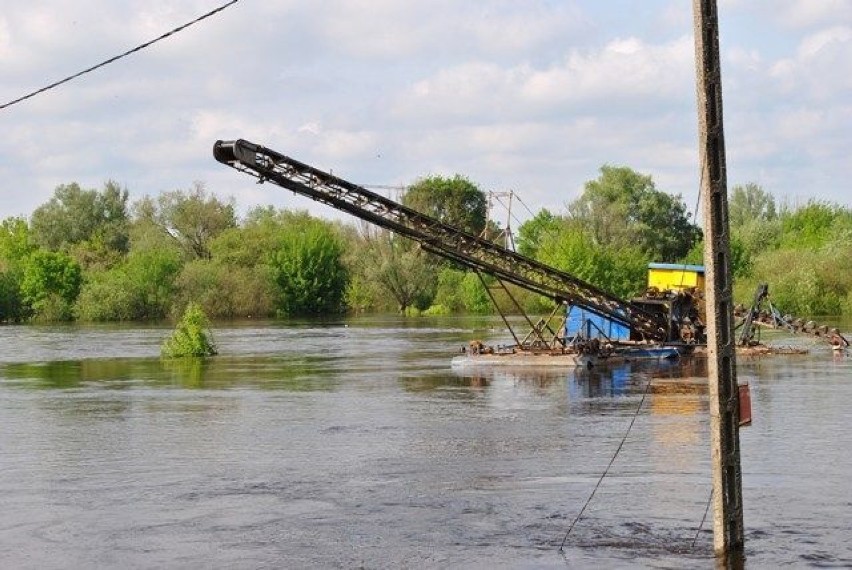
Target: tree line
91	255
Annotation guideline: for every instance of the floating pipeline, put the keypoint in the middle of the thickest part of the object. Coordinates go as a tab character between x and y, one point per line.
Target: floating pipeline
770	318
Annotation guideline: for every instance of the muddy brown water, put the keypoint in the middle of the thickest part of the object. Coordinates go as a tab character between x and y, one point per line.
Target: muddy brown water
354	444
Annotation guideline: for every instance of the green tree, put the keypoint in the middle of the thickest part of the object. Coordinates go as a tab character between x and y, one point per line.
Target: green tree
474	295
75	217
152	275
140	288
749	203
448	294
362	292
620	271
623	208
399	269
15	249
289	254
193	219
50	284
308	269
741	258
812	225
460	291
226	291
12	307
108	295
259	235
758	236
455	201
533	231
16	243
810	272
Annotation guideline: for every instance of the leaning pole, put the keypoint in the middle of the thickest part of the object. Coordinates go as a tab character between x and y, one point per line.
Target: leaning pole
728	539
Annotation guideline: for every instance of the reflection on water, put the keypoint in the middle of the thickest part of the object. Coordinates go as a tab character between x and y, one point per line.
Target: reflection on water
268	373
354	444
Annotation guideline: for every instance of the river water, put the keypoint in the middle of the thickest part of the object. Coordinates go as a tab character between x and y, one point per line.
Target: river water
353	444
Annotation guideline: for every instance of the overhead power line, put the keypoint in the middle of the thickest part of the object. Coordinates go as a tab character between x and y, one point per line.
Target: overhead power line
120	56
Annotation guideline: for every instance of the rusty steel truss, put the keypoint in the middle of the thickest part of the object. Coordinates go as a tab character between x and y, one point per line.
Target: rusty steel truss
435	236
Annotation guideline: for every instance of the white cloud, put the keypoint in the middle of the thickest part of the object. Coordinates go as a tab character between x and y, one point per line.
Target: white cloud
533	96
824	40
808	13
821	67
623	70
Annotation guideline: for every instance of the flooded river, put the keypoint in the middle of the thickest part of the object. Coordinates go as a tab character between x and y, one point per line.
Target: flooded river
353	444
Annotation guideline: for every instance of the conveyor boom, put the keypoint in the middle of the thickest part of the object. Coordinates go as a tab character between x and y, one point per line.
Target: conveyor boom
433	235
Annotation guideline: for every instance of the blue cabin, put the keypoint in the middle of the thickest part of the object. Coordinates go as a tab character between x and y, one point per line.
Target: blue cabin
591	325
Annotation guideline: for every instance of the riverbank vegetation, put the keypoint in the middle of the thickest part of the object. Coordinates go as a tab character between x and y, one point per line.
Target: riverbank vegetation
91	255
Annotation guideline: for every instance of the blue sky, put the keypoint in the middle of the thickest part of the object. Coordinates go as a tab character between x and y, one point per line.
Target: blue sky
527	96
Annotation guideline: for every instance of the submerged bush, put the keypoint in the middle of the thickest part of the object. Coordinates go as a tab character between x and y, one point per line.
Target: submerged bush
191	336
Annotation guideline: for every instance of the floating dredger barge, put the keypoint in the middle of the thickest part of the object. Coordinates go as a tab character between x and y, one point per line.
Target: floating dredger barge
587	325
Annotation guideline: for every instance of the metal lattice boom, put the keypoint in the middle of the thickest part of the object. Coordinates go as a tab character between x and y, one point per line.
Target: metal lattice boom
433	235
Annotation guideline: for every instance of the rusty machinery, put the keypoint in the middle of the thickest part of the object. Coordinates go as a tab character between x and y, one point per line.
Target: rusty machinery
660	320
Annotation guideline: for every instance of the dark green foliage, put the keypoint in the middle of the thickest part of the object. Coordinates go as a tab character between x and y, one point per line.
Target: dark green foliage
15	250
622	208
12	306
50	284
191	337
75	217
455	201
307	267
142	288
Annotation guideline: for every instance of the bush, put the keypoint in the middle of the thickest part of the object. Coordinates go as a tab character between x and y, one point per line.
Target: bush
108	296
12	307
308	269
50	285
474	296
225	291
800	284
53	308
437	311
141	288
449	295
191	336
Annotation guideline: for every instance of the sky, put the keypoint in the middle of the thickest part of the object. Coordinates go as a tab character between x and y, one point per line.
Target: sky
532	97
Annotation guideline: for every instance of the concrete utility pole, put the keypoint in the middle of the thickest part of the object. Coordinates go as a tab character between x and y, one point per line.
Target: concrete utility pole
721	358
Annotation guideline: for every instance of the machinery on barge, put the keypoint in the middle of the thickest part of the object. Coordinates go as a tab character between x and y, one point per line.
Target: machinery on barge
663	323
